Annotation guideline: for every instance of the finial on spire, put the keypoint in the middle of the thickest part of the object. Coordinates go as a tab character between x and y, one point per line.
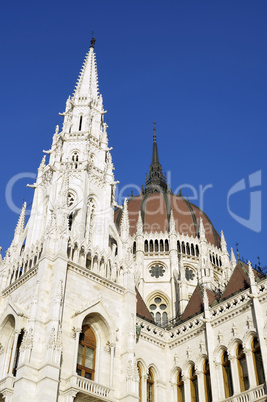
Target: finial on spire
237	252
93	40
154	129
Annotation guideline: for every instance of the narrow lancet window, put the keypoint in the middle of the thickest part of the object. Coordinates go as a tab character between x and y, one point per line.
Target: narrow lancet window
80	123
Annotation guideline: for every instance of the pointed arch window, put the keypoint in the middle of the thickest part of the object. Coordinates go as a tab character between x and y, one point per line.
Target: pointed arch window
227	376
193	385
71	199
159	310
207	383
180	388
86	353
17	353
80	123
75	159
242	368
258	364
140	381
150	386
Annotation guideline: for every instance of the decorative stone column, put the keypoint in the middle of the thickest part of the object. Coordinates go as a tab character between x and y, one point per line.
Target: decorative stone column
219	376
77	337
187	390
200	385
112	351
235	375
251	368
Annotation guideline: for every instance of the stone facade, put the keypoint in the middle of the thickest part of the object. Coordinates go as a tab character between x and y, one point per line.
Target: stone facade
75	267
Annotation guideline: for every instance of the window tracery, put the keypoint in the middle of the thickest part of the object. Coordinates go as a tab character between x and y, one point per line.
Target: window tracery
159	311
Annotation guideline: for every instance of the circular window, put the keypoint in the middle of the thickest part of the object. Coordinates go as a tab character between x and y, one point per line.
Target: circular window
152	307
189	274
156	271
163	306
157	300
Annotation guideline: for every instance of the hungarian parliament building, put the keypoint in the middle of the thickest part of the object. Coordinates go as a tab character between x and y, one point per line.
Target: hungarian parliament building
139	302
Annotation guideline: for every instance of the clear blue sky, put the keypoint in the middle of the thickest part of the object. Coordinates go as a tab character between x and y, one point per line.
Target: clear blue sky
197	68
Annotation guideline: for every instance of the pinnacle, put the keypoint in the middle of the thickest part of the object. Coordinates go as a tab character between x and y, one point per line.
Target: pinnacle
21	221
87	83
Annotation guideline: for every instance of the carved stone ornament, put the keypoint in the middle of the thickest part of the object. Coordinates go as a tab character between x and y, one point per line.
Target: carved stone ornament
220	337
249	322
234	329
188	352
176	359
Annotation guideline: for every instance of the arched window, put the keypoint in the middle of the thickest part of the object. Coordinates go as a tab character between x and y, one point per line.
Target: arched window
150	386
183	248
151	246
146	246
140	381
80	123
156	246
161	248
159	310
187	249
86	353
178	246
134	247
257	358
71	199
207	384
180	388
227	376
166	245
75	159
88	260
242	368
193	385
17	352
70	220
197	250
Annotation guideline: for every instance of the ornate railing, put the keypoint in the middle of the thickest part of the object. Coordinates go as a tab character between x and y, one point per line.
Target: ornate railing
254	394
89	387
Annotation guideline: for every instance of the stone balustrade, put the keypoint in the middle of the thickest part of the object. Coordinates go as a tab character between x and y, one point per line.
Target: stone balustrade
254	394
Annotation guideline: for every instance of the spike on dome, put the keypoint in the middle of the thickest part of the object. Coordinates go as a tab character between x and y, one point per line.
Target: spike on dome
156	181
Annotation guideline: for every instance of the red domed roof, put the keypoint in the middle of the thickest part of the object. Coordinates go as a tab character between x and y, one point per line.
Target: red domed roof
156	204
156	209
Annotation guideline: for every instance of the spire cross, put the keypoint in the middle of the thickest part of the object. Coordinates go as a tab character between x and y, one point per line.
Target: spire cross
154	129
237	251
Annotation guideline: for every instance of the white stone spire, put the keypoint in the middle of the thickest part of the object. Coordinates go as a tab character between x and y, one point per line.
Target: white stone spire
139	227
201	230
172	223
21	221
125	222
233	259
223	242
87	83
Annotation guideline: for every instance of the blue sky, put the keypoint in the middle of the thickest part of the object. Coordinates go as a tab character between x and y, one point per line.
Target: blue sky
197	68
